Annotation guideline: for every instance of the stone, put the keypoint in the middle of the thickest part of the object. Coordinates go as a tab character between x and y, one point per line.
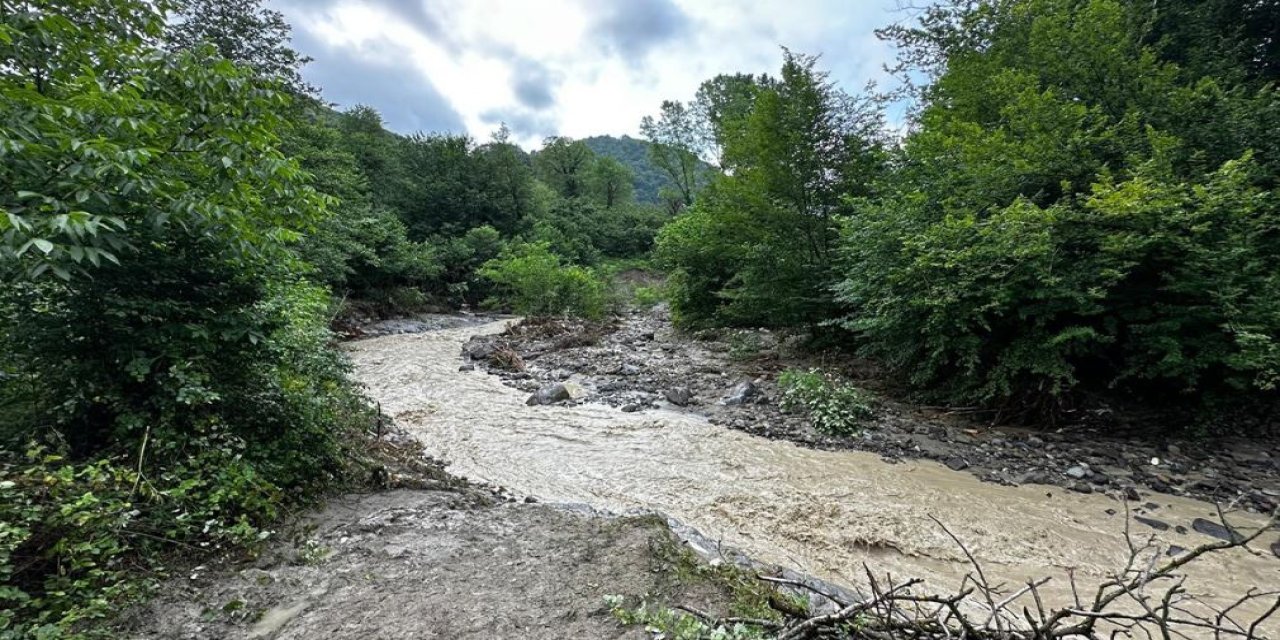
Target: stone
957	463
1151	506
1175	550
632	408
1173	450
1080	487
1215	530
1181	530
679	396
1153	523
1078	472
576	391
1275	548
628	369
740	393
467	367
551	394
1131	494
478	349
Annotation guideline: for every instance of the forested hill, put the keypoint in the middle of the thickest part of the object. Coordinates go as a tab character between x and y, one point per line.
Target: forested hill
634	153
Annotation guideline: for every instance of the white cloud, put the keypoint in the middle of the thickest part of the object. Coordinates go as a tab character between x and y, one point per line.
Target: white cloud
580	67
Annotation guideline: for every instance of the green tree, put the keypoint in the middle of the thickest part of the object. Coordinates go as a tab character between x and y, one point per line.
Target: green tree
563	163
676	138
757	247
158	346
1065	217
244	32
610	183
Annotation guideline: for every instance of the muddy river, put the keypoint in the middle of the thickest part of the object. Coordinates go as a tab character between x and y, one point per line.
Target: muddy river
821	512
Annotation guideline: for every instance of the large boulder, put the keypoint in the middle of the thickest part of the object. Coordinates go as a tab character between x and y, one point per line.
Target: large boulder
558	392
679	396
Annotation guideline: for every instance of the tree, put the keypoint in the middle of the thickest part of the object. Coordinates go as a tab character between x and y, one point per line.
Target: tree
609	182
676	138
163	361
756	248
563	164
244	32
1066	219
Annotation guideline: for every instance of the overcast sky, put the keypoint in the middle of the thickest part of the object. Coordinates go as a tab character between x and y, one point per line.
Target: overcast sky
564	67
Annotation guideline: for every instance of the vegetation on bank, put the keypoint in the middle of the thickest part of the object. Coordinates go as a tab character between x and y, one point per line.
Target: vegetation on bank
1085	202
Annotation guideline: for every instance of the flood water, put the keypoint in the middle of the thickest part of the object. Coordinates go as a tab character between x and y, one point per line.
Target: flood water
822	512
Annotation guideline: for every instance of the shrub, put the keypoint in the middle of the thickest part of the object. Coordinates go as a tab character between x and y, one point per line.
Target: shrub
531	280
834	407
1151	285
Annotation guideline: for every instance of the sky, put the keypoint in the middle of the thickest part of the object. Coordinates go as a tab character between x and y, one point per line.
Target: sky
565	67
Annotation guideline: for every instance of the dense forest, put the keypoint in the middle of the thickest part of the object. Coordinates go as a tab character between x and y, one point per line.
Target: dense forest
1084	202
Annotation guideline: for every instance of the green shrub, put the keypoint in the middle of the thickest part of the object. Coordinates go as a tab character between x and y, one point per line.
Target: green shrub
833	406
157	343
647	297
533	281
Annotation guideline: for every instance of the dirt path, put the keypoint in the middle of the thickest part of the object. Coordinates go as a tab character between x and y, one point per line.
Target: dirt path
824	512
421	565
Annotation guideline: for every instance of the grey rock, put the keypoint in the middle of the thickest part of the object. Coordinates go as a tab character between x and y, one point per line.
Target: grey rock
1080	487
478	349
1213	529
1153	523
628	369
467	367
679	396
1078	472
632	408
1275	548
550	394
957	463
740	393
1175	550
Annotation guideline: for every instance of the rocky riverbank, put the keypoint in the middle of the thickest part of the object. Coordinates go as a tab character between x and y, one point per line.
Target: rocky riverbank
639	363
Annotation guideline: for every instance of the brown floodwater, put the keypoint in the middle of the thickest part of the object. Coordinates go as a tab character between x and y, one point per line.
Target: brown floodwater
821	512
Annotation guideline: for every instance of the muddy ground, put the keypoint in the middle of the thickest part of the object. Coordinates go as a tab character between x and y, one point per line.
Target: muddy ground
639	363
449	564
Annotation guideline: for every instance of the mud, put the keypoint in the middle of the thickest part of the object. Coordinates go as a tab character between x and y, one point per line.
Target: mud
428	564
824	512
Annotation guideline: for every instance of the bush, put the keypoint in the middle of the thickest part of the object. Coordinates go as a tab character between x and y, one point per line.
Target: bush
533	281
163	362
834	407
1151	285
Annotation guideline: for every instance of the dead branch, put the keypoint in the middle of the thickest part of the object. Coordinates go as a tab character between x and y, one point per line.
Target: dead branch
1146	598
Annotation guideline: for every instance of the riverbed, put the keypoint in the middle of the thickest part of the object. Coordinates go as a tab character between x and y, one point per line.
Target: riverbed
825	513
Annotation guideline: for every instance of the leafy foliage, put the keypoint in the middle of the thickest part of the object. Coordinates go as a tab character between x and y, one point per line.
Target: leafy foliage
756	248
833	406
1066	218
157	344
533	281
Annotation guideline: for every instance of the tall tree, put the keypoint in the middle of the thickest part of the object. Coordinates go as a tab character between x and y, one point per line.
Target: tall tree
676	138
244	32
609	182
563	164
